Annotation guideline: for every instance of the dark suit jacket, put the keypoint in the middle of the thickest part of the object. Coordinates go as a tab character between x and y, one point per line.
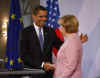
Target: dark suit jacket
30	49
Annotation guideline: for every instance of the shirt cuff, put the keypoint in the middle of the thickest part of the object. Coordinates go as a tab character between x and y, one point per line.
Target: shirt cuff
42	64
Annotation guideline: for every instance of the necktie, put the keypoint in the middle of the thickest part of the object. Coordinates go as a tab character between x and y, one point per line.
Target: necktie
41	39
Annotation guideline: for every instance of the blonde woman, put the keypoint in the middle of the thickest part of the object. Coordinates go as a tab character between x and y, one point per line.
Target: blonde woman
68	64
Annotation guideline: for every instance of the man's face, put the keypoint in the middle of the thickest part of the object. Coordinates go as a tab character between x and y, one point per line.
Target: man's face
40	18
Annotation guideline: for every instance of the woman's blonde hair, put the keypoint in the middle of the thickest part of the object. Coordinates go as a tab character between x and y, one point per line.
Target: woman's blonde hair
70	23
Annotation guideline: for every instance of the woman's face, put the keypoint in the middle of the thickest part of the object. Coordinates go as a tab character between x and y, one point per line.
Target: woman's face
62	30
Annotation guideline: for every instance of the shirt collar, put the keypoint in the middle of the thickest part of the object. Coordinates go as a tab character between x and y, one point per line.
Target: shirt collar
36	27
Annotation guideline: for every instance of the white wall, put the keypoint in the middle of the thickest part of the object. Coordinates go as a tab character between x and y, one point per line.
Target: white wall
88	13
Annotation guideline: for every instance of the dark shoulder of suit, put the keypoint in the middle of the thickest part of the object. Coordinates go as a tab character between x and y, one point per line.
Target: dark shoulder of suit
56	41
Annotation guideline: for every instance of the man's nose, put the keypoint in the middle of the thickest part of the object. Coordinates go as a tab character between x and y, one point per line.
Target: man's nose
44	18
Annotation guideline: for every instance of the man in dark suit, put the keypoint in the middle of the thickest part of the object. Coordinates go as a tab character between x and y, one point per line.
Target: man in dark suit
35	53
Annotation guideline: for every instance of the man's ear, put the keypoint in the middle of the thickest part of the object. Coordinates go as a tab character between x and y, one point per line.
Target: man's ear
33	16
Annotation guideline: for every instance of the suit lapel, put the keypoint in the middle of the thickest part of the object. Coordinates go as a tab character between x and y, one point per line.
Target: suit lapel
35	37
45	39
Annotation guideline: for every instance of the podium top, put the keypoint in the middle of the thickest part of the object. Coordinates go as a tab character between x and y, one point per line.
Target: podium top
22	72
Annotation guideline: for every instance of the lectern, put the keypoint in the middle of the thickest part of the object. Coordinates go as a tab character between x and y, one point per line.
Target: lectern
25	72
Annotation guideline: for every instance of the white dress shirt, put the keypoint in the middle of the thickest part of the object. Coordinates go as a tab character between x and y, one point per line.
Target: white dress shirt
37	30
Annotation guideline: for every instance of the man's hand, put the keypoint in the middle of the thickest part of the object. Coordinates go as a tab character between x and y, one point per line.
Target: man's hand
48	66
83	38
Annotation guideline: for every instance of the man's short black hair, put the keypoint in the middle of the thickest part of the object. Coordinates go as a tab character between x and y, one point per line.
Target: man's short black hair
39	7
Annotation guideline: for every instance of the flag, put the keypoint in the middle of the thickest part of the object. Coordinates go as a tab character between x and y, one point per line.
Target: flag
53	13
53	16
12	58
